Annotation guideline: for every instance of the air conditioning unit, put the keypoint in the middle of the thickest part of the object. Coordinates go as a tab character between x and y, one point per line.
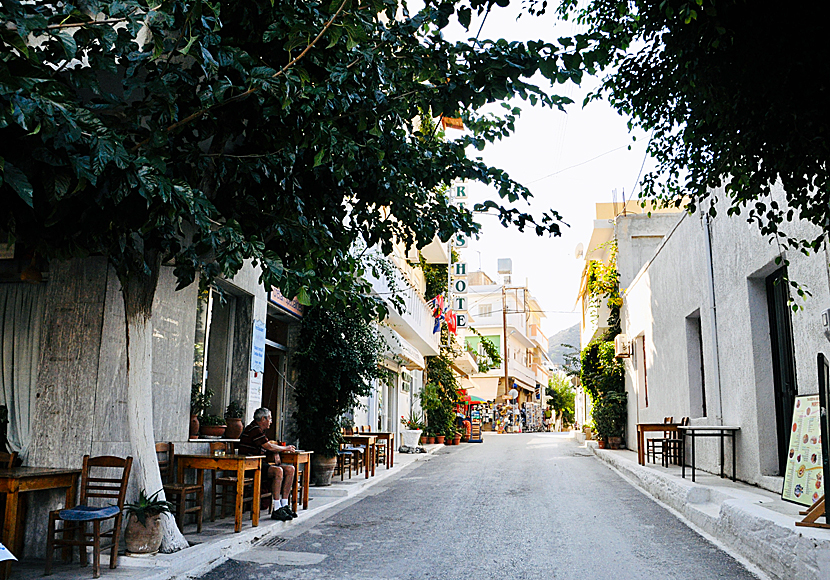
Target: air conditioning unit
622	346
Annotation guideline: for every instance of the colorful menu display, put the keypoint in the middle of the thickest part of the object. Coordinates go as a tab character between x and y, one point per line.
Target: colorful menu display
804	477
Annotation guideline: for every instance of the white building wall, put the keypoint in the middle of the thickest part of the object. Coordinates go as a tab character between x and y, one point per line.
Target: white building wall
673	286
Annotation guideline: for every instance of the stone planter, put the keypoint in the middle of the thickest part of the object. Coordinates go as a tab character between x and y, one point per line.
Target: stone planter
234	430
321	470
143	539
215	431
410	437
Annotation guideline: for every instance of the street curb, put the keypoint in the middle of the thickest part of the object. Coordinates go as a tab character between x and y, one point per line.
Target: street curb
199	559
767	539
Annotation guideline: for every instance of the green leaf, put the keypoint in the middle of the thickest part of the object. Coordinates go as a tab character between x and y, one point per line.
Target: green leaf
303	297
18	181
318	159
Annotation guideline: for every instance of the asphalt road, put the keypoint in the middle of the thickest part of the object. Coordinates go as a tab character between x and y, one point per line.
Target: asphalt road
519	506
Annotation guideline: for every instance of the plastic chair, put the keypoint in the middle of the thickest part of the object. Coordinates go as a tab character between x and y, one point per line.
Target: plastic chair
177	493
95	486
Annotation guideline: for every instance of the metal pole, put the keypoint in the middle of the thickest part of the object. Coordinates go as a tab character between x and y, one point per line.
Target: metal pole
504	332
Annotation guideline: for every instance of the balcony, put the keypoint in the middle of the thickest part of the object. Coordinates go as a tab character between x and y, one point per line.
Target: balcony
415	323
538	337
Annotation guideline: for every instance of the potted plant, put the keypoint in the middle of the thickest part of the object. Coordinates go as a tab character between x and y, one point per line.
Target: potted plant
198	403
233	416
456	438
609	414
337	358
412	429
144	530
212	426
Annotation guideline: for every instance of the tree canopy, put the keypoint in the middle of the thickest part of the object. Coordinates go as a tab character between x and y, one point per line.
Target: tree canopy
734	92
202	134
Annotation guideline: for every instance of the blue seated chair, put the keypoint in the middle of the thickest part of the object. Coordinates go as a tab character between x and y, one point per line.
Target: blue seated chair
103	489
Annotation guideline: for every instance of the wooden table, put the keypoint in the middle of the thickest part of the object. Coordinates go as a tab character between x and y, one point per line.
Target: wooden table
369	441
22	479
297	458
642	428
238	463
389	439
721	431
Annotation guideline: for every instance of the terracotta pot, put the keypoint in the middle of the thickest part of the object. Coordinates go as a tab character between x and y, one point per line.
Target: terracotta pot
194	426
615	443
601	443
456	440
212	430
431	440
439	439
143	539
321	469
234	430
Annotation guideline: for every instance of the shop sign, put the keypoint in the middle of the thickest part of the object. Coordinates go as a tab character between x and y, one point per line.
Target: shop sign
803	476
254	394
258	347
290	306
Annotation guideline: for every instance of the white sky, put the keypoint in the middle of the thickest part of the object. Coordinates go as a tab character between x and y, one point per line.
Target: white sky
545	142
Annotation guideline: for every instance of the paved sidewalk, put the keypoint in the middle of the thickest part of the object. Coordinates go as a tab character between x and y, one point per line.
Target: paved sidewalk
217	542
754	523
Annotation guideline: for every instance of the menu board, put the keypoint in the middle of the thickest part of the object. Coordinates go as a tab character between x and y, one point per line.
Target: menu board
803	477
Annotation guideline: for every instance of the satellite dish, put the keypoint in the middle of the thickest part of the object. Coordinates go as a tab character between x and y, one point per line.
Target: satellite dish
580	249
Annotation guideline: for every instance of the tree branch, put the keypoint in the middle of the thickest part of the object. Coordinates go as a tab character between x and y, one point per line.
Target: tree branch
242	95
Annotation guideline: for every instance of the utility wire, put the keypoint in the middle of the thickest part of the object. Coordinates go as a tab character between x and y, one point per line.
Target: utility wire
578	164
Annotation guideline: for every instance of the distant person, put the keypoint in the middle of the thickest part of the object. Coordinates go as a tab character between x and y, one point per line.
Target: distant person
253	441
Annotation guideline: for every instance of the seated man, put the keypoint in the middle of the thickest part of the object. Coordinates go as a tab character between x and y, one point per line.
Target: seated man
253	441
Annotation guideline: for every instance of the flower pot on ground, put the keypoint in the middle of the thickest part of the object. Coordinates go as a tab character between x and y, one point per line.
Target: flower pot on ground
322	468
212	426
615	443
233	417
431	440
410	437
144	530
439	439
456	440
601	443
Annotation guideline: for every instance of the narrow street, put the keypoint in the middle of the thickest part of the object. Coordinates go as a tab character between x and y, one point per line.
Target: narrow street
521	506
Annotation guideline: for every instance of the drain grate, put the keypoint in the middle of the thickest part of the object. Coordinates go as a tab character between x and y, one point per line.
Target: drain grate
271	542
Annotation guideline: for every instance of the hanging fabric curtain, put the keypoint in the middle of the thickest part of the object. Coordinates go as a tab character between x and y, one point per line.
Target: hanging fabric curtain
22	310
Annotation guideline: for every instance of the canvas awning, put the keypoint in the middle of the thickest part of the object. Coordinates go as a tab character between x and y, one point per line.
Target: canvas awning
484	388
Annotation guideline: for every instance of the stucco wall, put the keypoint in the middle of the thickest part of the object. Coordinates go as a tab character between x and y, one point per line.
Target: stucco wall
674	286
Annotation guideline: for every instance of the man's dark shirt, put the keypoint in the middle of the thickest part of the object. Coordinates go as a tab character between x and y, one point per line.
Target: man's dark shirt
251	440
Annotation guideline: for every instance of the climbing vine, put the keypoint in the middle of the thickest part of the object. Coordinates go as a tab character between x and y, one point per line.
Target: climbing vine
603	279
491	358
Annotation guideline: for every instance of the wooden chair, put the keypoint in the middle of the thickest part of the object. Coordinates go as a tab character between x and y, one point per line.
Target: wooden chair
654	445
673	445
97	486
345	459
7	461
226	480
177	493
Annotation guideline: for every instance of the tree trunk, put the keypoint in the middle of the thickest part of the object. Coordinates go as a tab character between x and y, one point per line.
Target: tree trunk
138	292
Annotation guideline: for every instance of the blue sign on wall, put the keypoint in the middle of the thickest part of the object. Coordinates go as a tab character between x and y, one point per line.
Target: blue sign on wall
258	347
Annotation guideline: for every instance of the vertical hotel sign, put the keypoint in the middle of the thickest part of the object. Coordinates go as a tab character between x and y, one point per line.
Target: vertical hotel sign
459	269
